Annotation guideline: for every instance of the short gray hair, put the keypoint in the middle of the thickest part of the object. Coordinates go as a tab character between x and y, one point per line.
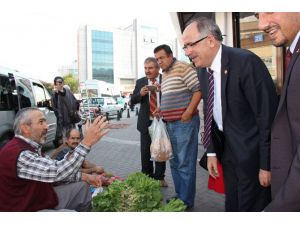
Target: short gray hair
207	26
23	117
151	59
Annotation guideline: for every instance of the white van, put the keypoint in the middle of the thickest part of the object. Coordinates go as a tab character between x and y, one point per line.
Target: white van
108	105
18	91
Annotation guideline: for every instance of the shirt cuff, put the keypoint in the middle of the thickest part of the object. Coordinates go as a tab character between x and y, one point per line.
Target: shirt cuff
82	149
211	154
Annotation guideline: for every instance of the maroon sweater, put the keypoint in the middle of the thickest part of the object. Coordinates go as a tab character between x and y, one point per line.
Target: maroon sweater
17	194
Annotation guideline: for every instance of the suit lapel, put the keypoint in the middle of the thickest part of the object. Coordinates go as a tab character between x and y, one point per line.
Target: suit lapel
288	75
144	83
224	77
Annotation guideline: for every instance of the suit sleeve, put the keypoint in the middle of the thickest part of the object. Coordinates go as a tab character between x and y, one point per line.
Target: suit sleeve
260	92
287	198
136	97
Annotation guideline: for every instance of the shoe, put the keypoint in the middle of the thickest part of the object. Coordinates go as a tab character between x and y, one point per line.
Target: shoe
189	209
163	183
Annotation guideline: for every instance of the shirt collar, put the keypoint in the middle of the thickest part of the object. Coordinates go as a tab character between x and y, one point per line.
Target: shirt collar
31	142
216	63
156	79
294	43
174	60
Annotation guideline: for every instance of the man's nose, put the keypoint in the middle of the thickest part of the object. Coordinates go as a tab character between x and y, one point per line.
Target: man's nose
262	22
187	51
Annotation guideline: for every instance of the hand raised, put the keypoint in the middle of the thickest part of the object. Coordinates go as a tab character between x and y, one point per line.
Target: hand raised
95	131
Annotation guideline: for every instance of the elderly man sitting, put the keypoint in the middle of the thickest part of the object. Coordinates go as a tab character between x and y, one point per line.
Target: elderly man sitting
29	176
72	141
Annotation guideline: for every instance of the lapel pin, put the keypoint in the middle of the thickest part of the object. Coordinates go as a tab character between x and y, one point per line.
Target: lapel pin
225	72
298	50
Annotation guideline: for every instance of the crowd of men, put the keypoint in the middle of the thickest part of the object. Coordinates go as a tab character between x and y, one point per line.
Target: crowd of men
255	138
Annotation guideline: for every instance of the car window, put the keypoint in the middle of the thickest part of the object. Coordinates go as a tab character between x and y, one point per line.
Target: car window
40	95
7	88
100	101
25	96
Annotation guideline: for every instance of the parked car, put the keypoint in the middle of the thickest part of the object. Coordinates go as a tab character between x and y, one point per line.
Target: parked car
107	105
121	101
18	91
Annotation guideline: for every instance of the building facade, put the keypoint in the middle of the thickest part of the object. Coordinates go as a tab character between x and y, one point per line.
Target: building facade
117	55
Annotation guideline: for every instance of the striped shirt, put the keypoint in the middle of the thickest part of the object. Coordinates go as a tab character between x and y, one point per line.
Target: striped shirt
34	166
178	85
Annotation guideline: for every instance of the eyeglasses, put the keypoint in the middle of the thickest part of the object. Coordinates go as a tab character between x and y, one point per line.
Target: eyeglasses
59	82
186	46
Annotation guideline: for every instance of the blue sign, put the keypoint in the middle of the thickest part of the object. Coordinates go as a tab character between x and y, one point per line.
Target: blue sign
258	38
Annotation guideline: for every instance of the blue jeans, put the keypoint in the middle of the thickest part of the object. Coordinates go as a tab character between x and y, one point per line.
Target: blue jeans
184	139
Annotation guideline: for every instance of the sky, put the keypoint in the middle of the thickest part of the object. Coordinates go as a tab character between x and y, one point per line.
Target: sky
38	37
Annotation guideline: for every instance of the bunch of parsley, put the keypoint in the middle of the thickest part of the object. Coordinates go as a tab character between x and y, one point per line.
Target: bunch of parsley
138	193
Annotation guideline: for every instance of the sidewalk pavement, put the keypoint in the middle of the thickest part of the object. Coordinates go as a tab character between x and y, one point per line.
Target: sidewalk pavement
119	153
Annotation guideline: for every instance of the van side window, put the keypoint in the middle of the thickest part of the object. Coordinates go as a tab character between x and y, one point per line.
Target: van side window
6	94
24	91
40	95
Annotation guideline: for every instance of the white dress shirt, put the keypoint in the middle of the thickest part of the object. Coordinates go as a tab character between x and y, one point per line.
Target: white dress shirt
294	43
217	111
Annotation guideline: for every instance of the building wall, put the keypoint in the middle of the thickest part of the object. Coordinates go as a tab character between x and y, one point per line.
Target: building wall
82	53
129	47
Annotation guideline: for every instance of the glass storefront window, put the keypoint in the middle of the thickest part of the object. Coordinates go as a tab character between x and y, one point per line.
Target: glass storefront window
257	41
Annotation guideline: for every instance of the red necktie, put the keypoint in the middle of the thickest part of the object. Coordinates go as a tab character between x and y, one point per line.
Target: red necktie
287	60
153	99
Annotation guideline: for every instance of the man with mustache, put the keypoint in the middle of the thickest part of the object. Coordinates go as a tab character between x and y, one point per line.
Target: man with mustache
142	95
72	141
284	30
27	176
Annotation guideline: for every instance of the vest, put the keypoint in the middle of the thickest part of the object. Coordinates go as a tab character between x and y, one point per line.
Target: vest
18	194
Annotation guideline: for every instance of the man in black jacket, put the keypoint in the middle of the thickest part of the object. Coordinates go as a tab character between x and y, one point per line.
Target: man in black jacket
141	94
64	103
244	105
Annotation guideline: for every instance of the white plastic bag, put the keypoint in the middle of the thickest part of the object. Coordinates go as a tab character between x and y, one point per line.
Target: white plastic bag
160	148
153	127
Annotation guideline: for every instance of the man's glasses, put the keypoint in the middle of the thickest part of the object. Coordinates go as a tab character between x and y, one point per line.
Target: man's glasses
186	46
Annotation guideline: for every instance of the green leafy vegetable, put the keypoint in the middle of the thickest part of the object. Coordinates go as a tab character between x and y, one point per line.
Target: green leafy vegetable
138	193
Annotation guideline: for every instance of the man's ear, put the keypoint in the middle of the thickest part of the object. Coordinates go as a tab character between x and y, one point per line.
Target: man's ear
25	129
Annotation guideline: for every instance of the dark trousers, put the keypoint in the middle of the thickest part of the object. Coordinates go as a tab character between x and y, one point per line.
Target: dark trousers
147	165
243	193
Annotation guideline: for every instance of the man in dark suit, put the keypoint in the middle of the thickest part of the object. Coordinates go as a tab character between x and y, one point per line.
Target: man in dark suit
284	30
141	94
244	106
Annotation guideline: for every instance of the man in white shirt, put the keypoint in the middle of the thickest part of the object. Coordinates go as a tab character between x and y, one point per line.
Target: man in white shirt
244	105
